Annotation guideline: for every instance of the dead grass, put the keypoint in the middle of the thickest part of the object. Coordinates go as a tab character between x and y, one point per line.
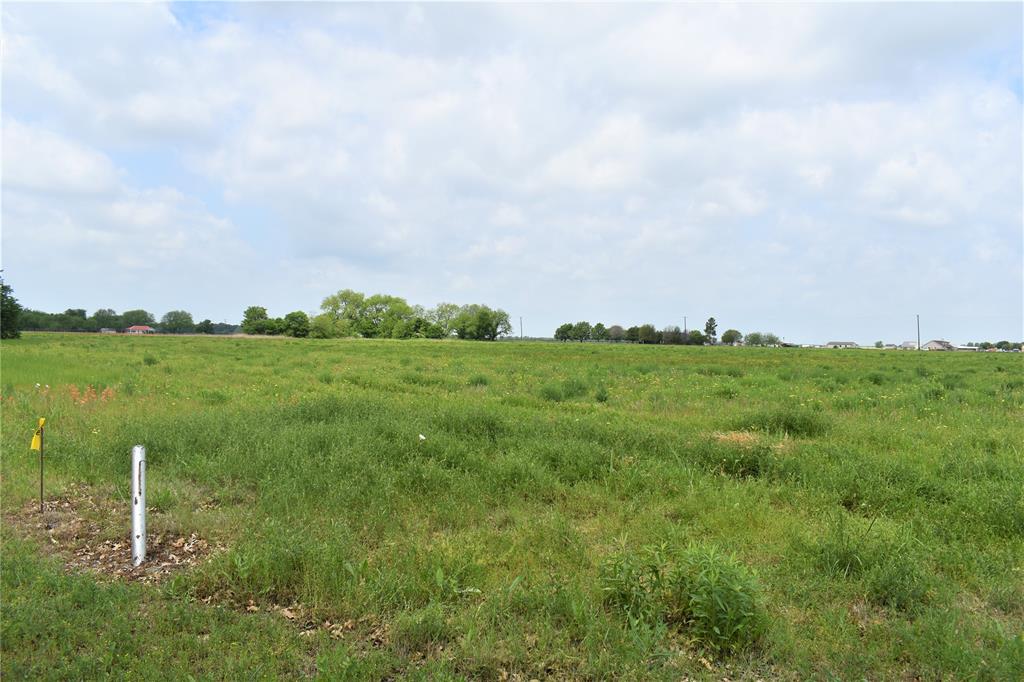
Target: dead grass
91	534
738	438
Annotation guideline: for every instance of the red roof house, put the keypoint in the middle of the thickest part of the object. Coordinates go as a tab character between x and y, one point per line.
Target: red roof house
140	329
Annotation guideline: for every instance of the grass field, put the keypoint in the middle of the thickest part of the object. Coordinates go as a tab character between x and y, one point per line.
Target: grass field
570	511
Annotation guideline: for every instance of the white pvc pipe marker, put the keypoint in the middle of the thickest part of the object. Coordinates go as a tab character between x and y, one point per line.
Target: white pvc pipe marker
138	504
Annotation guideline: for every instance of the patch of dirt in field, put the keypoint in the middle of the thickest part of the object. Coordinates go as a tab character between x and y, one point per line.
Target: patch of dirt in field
741	438
83	530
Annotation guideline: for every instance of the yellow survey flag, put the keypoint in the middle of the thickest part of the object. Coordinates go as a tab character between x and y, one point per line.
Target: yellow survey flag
37	439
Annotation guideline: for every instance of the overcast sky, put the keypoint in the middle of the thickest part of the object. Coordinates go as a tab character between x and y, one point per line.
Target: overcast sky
824	172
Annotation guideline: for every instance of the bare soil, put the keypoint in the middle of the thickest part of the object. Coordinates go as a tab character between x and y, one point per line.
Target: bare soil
92	534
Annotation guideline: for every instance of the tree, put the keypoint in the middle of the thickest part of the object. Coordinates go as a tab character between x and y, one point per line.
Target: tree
76	312
633	334
581	331
10	313
342	315
671	335
346	304
599	332
616	333
564	332
177	322
133	318
647	334
325	326
771	339
106	318
711	330
879	344
255	320
697	338
731	336
443	315
204	327
296	324
480	323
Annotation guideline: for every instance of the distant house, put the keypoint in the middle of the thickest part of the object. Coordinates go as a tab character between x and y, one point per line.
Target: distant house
841	344
937	344
908	345
974	348
108	330
140	329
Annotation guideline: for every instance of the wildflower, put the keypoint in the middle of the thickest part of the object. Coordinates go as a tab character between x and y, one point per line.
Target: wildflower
422	437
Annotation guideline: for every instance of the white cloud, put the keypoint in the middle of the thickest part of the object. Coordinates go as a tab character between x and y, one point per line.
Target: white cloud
521	151
37	159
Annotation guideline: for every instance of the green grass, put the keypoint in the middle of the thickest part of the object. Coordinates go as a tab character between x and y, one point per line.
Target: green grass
858	514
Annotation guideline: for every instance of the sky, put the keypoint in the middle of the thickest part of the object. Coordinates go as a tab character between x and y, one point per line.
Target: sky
824	171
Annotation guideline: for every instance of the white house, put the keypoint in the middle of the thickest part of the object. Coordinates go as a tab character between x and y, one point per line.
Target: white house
841	344
937	344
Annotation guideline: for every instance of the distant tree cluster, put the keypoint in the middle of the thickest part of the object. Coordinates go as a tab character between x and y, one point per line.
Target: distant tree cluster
256	321
646	334
77	320
998	345
761	339
351	313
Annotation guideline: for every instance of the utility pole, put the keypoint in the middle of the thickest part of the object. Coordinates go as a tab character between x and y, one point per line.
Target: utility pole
520	327
919	332
685	330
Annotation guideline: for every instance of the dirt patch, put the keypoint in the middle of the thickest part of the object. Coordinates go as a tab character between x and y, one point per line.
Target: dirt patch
92	534
741	438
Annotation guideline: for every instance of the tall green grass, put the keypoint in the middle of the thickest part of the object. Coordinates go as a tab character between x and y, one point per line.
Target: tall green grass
470	507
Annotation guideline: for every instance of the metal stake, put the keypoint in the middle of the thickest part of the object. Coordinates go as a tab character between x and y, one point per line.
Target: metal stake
41	469
138	504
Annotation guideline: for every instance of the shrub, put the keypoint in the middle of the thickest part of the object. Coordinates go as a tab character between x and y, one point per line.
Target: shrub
717	598
714	597
479	380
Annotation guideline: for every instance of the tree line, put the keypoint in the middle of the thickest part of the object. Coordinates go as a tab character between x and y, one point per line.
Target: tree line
671	335
350	313
77	320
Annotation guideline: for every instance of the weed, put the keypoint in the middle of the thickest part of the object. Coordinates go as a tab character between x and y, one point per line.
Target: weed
712	596
717	599
796	422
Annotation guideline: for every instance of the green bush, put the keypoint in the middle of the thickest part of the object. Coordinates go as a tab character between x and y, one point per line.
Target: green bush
712	596
717	598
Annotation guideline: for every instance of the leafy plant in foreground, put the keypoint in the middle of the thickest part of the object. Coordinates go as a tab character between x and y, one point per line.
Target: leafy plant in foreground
713	596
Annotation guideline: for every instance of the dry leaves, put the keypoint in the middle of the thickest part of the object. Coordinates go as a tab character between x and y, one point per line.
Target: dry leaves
78	526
